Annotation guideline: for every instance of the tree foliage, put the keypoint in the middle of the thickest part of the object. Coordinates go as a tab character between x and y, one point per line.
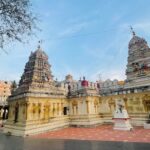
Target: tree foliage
13	86
16	20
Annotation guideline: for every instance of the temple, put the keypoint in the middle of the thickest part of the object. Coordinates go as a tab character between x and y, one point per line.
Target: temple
138	67
40	103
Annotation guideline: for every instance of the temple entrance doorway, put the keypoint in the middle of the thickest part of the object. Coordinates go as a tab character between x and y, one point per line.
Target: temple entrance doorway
65	110
16	113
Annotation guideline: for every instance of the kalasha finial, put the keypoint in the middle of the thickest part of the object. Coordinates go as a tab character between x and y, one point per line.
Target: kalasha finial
39	44
132	31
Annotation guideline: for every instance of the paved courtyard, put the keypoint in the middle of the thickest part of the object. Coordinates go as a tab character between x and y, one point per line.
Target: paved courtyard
98	138
29	143
100	133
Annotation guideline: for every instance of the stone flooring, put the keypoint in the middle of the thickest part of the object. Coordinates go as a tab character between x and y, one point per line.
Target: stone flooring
29	143
100	133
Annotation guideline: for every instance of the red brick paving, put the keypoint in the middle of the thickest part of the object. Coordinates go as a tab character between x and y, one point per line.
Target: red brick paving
100	133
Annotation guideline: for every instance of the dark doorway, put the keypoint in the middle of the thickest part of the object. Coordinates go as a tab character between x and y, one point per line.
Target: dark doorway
16	113
65	110
5	113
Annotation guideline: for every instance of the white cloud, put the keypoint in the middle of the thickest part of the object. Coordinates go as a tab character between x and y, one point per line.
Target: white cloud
118	74
74	28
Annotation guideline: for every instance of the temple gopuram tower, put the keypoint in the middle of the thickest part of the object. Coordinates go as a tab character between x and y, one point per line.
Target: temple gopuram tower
37	105
138	66
37	74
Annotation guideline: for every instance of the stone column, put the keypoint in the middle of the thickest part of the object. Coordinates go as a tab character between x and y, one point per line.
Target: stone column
42	111
33	111
58	109
20	112
62	108
24	111
27	111
94	109
36	111
39	111
54	109
77	109
50	110
46	111
72	109
88	110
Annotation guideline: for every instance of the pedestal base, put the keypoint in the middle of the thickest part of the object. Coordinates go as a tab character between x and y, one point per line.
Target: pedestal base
122	124
146	125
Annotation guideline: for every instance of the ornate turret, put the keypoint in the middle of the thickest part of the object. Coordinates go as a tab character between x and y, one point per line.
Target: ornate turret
136	42
69	78
37	76
37	69
139	58
84	83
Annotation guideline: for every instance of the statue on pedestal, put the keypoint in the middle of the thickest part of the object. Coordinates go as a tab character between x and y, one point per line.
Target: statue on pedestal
121	117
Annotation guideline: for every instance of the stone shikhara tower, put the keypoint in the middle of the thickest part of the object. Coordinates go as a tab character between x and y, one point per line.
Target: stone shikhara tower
37	68
37	76
138	67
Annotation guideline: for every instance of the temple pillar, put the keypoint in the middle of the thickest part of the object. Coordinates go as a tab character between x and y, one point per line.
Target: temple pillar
20	112
46	111
112	104
54	109
42	111
33	111
76	109
72	109
27	111
24	111
36	111
39	110
62	109
16	112
58	109
87	104
50	110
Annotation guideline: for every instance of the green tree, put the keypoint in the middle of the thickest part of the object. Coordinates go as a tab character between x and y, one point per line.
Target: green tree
13	86
16	20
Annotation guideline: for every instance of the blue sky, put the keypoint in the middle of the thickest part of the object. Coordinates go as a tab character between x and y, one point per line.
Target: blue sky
81	37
